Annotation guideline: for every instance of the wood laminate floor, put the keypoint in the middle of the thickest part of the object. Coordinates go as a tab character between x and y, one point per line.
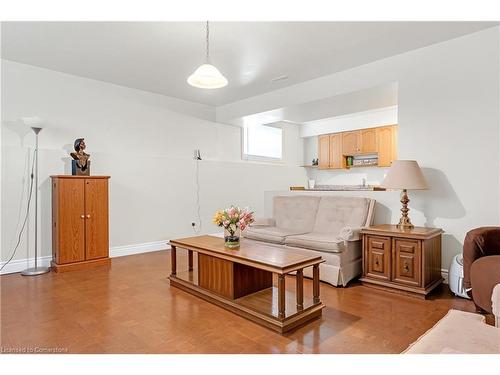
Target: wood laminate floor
131	308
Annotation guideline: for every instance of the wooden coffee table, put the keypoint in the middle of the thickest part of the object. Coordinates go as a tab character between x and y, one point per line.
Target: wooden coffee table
241	280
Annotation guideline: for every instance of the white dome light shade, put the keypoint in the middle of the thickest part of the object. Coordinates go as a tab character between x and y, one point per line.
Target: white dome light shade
207	77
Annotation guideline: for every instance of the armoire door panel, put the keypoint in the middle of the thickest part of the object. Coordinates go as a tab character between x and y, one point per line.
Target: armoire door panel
71	221
96	218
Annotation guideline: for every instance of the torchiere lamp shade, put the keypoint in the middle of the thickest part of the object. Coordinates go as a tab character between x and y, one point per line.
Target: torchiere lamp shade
405	175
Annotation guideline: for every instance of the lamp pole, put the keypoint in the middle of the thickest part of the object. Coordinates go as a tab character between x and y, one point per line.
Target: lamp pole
34	271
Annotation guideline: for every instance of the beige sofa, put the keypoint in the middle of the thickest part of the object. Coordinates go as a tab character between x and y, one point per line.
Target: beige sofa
324	225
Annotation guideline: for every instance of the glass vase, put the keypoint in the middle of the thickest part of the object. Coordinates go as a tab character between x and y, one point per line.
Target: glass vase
232	241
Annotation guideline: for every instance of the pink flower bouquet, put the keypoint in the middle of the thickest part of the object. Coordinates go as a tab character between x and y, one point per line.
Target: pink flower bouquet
233	219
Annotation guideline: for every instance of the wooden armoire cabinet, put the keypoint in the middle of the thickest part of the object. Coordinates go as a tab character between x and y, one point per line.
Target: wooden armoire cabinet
80	235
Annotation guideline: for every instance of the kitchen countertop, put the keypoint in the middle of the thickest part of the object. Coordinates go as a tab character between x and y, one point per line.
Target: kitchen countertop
346	188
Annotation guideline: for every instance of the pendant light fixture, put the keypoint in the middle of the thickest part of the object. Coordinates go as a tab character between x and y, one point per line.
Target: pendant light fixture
207	76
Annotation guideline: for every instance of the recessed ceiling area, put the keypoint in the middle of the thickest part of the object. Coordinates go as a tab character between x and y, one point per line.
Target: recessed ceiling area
372	98
256	57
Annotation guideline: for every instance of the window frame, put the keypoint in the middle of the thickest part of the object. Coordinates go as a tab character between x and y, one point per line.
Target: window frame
258	158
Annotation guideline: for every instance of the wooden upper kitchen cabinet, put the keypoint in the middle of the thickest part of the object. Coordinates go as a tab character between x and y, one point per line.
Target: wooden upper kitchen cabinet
336	151
324	151
368	140
333	148
79	222
351	142
386	145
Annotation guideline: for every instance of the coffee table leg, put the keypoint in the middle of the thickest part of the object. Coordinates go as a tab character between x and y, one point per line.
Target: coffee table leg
173	254
190	259
316	283
300	289
281	296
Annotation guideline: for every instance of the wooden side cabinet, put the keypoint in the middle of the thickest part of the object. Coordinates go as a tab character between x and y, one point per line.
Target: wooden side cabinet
406	261
80	236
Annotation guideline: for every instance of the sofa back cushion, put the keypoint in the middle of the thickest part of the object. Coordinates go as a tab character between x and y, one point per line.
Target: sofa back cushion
335	213
295	212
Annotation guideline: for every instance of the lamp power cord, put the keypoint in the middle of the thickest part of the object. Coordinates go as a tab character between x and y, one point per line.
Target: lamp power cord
23	227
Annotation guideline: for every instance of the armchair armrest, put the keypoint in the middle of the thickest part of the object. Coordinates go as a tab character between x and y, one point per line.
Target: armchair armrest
263	222
478	243
350	233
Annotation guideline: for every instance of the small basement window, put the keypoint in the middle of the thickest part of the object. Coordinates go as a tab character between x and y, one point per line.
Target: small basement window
263	142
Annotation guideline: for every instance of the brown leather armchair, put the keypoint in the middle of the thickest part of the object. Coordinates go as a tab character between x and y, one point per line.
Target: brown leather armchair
482	264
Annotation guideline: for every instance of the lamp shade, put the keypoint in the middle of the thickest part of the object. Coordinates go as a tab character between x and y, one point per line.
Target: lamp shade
207	77
405	174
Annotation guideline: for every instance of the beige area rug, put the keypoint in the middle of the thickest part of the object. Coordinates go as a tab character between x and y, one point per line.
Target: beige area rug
458	332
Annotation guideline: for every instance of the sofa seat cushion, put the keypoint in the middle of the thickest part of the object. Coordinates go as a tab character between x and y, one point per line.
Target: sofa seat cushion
317	241
269	234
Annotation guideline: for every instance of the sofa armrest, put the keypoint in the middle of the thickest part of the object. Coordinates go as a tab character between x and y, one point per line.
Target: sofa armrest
350	233
263	222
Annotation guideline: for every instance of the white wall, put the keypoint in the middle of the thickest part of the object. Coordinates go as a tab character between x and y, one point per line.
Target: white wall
448	117
137	139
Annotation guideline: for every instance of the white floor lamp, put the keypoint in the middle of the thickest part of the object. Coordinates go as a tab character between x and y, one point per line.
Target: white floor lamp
34	271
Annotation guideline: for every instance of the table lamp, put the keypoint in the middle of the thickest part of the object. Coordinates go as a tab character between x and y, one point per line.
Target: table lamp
405	175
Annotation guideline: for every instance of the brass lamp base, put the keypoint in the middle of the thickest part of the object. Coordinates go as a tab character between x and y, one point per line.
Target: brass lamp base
404	222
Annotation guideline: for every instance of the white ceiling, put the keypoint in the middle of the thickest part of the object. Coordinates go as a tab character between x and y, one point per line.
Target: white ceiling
159	56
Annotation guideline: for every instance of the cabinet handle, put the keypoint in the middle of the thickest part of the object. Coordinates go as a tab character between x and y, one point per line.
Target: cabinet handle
376	262
405	267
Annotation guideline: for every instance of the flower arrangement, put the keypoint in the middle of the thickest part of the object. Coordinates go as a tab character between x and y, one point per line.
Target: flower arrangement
233	219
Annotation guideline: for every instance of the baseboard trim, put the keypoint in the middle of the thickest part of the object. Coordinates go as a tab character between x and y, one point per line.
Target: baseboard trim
444	275
19	265
120	251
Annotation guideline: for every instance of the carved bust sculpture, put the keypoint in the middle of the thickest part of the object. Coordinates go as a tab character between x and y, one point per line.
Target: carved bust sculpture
81	162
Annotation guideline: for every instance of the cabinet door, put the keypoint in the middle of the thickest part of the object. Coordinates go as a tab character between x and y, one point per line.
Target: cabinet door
336	151
406	261
386	145
351	142
368	140
378	257
96	218
324	151
70	220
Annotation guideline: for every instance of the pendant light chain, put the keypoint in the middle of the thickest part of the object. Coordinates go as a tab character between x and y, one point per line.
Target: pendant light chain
208	44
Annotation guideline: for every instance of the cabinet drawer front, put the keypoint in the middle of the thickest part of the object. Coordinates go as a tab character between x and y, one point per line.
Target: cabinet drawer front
407	261
378	257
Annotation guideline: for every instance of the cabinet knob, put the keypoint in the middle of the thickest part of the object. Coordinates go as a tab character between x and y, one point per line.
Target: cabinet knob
88	216
82	216
405	267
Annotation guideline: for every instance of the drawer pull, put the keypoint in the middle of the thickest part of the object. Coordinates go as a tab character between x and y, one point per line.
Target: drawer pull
405	268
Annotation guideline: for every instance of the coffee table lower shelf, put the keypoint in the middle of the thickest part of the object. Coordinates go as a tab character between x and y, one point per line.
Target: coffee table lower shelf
260	307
